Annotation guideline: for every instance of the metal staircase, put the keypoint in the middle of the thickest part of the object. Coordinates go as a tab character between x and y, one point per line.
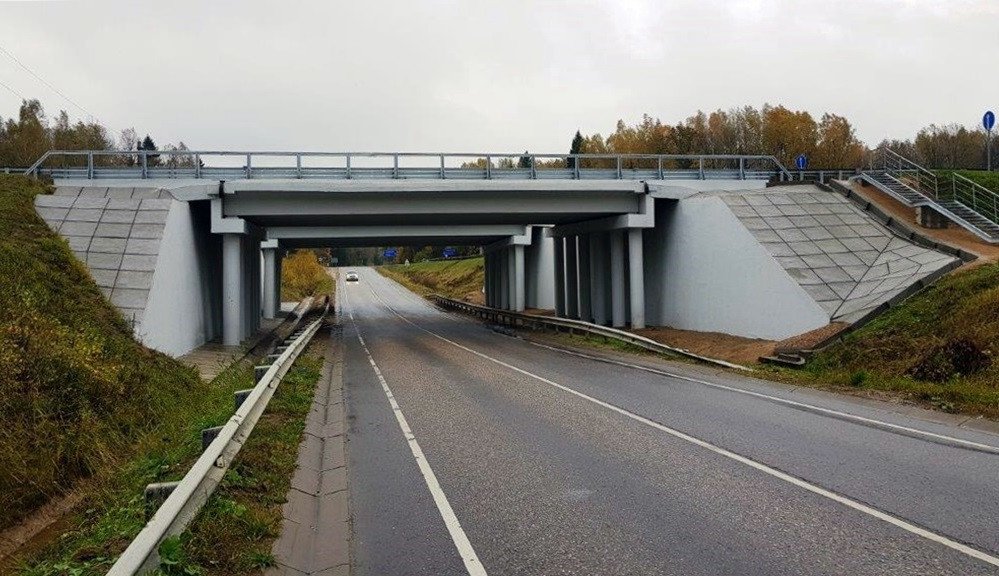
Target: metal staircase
967	204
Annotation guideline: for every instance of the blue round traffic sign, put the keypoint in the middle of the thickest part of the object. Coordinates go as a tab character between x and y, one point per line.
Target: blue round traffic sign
989	120
801	161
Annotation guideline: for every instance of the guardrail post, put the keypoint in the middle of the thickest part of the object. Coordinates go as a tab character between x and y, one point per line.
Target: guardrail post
298	165
395	165
259	371
575	167
659	166
742	169
240	396
348	166
145	165
534	168
208	435
197	166
155	494
620	175
700	168
442	167
249	167
90	165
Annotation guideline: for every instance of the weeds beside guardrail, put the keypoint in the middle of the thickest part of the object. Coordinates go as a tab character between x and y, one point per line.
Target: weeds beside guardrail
537	322
189	495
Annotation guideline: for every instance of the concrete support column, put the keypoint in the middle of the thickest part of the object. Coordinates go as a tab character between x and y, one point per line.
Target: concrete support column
517	278
571	278
233	263
636	278
560	277
269	250
278	259
617	278
539	263
487	261
504	272
598	277
583	253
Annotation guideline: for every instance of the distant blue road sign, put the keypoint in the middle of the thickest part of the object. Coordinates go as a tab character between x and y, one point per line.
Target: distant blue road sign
391	253
450	252
989	120
801	161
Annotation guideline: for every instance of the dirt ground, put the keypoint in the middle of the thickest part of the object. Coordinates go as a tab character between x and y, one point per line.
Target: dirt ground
954	235
712	344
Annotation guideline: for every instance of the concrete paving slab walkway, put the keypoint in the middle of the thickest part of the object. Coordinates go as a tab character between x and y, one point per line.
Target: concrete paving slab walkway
315	527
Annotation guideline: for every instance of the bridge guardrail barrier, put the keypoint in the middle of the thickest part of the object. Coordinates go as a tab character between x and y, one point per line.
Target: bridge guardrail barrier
556	324
228	165
190	494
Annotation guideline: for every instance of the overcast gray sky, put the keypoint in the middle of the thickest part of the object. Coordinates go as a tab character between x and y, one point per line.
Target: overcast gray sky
507	75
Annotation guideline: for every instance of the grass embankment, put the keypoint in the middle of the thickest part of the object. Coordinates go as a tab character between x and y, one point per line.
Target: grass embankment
937	349
84	408
458	279
302	275
236	530
989	180
77	392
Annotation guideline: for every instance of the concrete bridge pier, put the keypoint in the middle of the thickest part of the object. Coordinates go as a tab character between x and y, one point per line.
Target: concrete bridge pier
617	278
272	278
598	277
487	278
540	271
636	278
583	285
559	245
517	269
240	287
571	278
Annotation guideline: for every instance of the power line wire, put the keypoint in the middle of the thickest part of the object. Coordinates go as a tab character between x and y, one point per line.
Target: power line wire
43	81
12	91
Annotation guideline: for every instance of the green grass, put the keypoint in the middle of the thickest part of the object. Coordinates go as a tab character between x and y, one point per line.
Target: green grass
235	531
989	180
881	357
456	279
77	392
115	512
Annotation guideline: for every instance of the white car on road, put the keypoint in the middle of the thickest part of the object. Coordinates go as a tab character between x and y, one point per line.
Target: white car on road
351	276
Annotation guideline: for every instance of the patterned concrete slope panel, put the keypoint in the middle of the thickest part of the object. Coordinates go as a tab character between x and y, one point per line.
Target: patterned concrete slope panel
846	260
116	232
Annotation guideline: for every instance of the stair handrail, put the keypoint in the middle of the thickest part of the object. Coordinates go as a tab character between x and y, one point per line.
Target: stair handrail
898	166
982	200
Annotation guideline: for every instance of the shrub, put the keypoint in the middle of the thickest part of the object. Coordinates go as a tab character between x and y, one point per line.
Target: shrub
956	357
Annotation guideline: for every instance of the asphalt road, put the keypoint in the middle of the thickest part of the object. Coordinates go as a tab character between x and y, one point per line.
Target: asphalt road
472	451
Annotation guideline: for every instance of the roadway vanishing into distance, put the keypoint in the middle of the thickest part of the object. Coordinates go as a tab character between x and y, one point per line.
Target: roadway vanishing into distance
470	451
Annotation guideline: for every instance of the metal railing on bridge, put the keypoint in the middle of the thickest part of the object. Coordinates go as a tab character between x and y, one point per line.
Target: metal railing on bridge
230	165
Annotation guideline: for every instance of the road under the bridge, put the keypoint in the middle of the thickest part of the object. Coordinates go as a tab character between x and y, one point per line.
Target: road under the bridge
473	451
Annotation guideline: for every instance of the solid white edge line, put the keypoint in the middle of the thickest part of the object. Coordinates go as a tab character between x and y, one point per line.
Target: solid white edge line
777	399
471	560
815	489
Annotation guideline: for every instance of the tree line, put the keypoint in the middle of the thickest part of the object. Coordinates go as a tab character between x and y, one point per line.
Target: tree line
829	142
25	139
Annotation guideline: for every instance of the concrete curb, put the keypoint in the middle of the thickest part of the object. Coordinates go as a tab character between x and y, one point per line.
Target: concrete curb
315	530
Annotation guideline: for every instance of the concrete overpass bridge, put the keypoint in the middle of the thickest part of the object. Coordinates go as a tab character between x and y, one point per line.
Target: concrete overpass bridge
590	236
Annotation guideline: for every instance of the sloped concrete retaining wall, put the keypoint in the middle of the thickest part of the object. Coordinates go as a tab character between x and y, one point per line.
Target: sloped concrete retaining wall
153	257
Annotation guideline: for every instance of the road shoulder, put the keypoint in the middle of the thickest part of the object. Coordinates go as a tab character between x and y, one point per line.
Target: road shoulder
315	528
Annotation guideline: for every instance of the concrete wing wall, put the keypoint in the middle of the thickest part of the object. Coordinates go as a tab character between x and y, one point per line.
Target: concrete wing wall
151	255
706	272
183	308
